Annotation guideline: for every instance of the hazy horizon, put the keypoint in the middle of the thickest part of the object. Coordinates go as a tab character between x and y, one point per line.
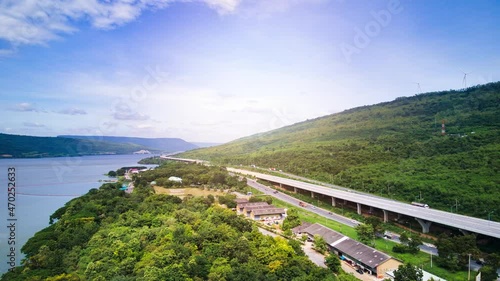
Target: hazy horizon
218	70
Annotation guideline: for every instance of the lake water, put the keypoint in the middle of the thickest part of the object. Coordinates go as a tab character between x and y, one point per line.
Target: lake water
43	185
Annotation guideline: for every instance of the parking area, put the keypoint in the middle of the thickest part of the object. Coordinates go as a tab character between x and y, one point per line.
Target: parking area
365	277
319	260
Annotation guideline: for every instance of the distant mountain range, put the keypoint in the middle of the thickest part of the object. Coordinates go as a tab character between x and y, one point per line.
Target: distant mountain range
158	144
18	146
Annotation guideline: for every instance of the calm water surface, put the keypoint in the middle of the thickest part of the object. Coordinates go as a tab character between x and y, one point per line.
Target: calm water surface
44	185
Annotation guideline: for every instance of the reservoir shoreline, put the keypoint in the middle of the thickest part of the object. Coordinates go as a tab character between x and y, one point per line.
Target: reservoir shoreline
44	185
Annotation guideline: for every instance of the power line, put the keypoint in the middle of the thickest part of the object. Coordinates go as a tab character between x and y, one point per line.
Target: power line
48	195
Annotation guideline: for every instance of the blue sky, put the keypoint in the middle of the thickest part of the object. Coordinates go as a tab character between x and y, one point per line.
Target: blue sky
217	70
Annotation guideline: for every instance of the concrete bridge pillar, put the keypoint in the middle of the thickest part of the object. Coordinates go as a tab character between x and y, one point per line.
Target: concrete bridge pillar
281	186
386	215
312	194
425	225
464	232
294	189
371	209
359	208
333	201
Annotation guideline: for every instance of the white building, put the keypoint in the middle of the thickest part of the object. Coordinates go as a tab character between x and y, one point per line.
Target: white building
176	179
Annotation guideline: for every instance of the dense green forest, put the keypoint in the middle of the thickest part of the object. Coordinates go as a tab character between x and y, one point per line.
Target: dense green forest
108	234
156	160
393	149
17	146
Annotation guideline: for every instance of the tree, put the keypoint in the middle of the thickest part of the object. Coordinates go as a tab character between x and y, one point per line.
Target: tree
365	234
414	244
218	178
228	200
488	273
292	219
403	238
408	244
376	223
220	270
408	272
454	251
64	277
112	174
332	261
320	244
493	259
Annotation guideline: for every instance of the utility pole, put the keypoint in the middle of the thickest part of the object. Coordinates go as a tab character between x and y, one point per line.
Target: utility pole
468	276
489	215
419	197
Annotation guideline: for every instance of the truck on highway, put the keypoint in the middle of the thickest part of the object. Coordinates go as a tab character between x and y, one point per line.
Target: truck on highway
420	205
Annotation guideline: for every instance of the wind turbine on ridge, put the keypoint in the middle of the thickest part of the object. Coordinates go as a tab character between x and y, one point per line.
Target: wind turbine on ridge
464	81
419	89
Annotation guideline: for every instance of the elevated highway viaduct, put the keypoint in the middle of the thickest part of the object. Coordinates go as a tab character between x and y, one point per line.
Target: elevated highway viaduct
386	207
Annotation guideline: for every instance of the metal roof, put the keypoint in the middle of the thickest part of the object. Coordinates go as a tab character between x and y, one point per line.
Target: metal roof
251	208
270	211
243	205
360	252
329	235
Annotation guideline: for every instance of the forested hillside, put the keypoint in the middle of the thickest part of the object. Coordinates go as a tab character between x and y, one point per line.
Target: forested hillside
33	147
394	149
108	234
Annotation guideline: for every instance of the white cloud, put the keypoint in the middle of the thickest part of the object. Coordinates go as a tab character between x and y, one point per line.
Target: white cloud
25	107
72	111
33	125
32	22
223	6
131	115
6	52
265	8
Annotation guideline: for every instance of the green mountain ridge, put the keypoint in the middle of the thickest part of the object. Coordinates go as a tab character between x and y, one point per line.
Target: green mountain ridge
17	146
393	149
